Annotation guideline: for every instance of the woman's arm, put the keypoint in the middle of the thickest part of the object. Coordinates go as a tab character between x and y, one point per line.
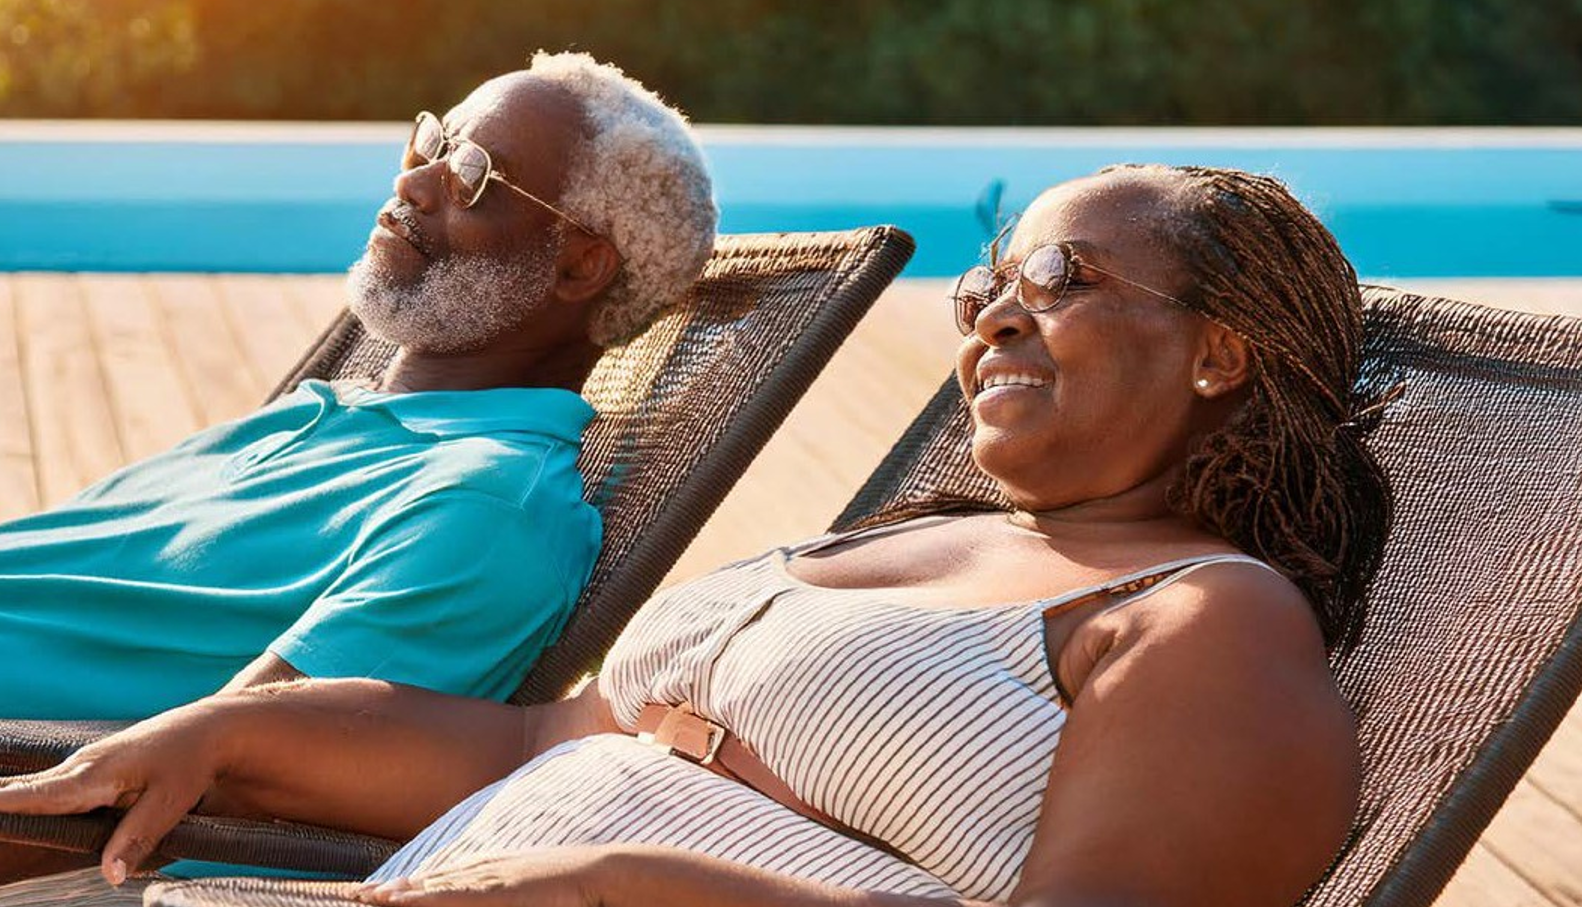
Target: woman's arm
624	875
361	755
1208	758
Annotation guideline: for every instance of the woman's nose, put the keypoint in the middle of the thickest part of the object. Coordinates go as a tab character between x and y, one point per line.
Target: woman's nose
1003	319
421	186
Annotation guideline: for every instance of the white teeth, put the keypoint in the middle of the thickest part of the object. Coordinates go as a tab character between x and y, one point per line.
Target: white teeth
1009	379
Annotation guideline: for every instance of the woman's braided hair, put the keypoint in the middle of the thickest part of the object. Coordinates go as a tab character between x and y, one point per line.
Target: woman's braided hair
1287	478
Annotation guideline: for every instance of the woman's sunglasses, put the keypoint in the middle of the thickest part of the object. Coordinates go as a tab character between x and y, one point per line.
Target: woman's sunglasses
1040	279
468	167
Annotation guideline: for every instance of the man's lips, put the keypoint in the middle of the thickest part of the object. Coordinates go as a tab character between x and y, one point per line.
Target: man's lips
403	227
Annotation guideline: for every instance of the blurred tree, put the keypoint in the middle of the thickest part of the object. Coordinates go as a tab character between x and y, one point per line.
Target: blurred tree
1078	62
82	58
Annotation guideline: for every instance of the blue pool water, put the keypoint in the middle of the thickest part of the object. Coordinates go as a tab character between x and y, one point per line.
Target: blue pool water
1408	203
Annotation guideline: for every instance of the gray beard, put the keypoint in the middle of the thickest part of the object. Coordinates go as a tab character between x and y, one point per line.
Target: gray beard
459	305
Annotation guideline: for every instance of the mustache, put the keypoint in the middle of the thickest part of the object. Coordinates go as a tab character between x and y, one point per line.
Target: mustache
398	215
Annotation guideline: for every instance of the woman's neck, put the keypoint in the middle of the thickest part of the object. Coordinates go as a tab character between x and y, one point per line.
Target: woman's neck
1145	502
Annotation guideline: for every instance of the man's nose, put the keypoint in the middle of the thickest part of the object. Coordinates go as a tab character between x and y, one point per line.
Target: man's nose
421	186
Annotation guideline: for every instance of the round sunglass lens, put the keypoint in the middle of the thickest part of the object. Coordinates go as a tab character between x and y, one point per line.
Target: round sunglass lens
428	140
469	167
973	291
1045	269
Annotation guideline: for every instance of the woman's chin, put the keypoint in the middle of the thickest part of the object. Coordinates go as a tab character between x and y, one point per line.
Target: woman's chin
1001	458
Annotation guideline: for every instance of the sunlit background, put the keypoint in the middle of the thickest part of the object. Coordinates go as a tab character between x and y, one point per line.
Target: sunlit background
791	95
941	62
1439	139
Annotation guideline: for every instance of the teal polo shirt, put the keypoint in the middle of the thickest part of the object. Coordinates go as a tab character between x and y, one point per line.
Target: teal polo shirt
438	539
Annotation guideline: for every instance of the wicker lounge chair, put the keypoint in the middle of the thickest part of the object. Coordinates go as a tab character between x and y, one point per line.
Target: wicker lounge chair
682	412
1472	650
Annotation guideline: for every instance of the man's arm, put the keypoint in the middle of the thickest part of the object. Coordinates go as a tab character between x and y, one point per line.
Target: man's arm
266	668
457	592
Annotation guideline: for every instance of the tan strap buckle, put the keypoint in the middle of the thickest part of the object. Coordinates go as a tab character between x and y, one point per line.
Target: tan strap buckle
680	731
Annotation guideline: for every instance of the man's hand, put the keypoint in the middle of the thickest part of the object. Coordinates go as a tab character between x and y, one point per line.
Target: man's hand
156	770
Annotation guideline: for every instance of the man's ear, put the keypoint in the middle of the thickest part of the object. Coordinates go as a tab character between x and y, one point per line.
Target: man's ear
1224	362
585	267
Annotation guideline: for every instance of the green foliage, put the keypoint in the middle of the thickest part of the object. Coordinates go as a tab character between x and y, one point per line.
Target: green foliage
1076	62
81	57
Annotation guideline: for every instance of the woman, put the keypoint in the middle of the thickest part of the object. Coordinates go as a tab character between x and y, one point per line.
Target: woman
1115	693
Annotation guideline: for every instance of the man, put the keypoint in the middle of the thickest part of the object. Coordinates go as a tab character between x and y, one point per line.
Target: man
431	530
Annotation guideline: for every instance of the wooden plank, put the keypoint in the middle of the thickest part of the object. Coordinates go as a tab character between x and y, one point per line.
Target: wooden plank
321	298
1558	769
271	336
18	480
914	328
873	387
213	366
153	406
75	439
1484	880
1542	841
1544	295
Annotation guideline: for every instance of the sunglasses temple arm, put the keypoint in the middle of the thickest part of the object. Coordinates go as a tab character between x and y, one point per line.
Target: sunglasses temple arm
540	202
1288	356
1132	283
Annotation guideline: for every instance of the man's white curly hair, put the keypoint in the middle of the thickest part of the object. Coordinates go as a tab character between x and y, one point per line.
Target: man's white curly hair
639	180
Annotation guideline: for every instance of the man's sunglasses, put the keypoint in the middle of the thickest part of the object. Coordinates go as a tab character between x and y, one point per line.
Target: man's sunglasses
468	167
1040	278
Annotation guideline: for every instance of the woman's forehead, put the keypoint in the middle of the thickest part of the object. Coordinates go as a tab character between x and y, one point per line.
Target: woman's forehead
1110	213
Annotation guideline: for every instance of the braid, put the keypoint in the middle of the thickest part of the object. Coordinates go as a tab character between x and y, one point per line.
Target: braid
1287	478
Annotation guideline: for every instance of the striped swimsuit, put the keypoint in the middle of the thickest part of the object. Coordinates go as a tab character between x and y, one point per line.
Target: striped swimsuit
931	729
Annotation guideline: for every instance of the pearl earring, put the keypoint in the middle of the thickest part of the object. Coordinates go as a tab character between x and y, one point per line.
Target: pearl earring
1202	384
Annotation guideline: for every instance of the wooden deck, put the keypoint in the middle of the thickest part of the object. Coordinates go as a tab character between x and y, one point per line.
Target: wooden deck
96	371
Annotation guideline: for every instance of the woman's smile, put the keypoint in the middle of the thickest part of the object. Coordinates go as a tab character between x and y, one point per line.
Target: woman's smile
998	382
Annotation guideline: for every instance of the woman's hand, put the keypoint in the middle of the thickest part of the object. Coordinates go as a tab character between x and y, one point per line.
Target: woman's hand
156	770
325	752
560	877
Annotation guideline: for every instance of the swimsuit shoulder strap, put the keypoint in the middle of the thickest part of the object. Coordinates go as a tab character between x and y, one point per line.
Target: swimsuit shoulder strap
1134	586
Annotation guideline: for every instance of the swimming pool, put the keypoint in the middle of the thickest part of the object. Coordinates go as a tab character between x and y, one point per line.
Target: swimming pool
300	197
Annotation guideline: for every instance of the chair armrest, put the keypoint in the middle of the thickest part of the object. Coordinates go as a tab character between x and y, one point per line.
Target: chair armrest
277	845
31	746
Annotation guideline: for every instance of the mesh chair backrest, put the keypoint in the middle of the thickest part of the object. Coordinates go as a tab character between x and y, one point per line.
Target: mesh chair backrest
684	408
1472	649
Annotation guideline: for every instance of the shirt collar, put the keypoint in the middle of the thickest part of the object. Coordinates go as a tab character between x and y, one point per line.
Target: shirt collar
551	411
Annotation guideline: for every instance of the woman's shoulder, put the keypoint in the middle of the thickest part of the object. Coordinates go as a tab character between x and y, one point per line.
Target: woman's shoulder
1229	592
1229	617
1234	623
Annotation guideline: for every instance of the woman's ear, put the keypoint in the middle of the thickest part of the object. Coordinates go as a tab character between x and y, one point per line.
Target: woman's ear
585	268
1224	362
